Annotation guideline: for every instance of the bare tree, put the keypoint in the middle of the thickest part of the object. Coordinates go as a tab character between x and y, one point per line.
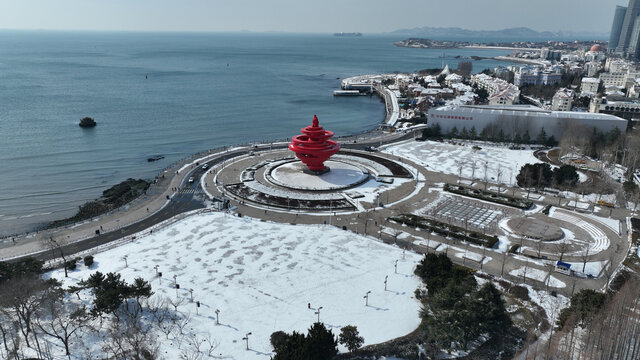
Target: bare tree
460	166
129	337
62	320
550	268
585	257
57	247
486	174
562	247
21	298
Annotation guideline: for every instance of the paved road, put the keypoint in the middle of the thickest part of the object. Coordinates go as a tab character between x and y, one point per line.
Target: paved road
187	196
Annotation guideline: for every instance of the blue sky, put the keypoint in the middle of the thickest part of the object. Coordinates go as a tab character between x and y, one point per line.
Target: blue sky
306	16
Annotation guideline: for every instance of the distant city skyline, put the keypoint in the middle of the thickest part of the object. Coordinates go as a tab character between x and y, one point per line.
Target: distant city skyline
304	16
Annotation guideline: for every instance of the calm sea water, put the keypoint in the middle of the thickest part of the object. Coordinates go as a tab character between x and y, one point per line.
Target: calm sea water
169	94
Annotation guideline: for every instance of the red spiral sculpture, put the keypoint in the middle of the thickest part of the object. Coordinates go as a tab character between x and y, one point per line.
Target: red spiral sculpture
313	148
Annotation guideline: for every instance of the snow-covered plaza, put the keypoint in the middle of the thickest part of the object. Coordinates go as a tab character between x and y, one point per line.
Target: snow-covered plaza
261	276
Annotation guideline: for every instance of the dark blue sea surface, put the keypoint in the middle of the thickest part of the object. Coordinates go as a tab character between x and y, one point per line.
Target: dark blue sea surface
170	94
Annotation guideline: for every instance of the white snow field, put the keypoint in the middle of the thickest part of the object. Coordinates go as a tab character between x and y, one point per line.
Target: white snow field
447	158
262	275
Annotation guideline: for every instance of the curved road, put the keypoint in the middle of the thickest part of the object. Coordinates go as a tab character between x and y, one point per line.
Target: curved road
190	195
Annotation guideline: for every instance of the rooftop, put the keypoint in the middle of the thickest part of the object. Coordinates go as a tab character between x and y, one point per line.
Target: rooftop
527	110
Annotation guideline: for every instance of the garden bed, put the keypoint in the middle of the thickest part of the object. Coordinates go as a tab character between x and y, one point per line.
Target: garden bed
489	196
446	230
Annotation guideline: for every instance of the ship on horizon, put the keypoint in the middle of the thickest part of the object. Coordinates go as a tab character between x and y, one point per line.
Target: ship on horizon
347	34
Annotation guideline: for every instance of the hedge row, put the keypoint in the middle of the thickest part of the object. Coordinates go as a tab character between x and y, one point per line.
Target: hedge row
489	196
445	229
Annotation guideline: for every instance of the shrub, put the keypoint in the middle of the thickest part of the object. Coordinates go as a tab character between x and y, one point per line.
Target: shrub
514	248
70	265
546	210
520	292
88	260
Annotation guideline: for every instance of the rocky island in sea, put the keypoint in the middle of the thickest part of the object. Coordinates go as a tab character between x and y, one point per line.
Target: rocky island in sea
87	122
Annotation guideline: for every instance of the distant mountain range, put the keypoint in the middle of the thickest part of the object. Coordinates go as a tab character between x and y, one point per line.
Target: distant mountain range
513	34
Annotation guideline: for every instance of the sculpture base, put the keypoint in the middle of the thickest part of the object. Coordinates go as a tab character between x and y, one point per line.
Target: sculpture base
312	172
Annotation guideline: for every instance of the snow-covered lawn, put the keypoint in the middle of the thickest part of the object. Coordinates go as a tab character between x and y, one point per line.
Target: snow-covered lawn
539	275
447	158
261	276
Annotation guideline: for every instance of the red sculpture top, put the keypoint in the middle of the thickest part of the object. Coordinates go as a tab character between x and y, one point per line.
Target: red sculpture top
313	148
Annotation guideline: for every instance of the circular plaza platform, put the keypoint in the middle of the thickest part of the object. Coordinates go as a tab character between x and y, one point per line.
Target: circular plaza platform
341	175
356	181
533	228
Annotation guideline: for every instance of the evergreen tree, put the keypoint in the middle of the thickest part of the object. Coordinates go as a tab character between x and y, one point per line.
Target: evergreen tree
484	134
501	136
293	347
494	316
542	137
320	344
517	139
453	132
526	138
140	289
464	134
473	134
551	141
565	175
350	338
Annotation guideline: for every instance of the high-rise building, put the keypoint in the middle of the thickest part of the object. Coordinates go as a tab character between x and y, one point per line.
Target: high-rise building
626	39
616	28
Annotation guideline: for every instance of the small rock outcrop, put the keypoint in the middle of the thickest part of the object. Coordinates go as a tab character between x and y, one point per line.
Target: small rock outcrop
87	122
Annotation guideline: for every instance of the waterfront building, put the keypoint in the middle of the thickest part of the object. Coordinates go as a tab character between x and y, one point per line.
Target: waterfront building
515	120
562	100
452	79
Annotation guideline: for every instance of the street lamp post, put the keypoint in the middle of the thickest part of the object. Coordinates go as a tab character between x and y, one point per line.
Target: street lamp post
246	338
217	317
385	282
366	298
318	313
191	292
125	260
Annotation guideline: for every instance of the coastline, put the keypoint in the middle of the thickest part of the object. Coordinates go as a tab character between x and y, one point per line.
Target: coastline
518	60
160	184
486	47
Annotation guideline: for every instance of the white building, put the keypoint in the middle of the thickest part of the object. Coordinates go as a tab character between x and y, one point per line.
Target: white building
615	79
589	86
500	92
592	68
536	77
562	100
520	120
452	79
